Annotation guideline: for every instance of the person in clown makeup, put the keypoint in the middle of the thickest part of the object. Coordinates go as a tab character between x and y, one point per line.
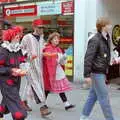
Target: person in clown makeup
32	45
10	74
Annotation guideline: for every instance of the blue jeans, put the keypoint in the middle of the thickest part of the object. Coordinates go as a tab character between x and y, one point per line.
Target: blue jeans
98	92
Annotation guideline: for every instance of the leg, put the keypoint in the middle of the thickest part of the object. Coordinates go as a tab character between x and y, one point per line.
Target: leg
102	95
13	102
63	97
26	91
3	107
3	110
90	102
44	109
65	101
35	96
46	93
26	106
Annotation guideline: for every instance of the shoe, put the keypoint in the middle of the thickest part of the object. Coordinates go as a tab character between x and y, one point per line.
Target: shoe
26	107
84	118
69	107
44	111
46	106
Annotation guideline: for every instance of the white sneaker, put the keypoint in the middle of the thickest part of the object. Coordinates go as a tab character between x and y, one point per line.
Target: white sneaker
84	118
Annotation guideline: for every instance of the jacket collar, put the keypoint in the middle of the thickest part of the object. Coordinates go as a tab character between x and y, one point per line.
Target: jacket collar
106	41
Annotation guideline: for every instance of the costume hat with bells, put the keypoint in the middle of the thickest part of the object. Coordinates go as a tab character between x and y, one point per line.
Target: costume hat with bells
9	34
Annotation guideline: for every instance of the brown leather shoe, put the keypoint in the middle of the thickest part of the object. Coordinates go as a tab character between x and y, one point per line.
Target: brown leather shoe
26	107
44	111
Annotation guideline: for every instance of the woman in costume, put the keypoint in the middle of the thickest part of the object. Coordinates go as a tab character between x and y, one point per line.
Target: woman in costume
54	77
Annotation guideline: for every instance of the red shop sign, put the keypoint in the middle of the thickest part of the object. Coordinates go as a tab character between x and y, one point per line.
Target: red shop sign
66	40
68	8
4	1
20	11
63	22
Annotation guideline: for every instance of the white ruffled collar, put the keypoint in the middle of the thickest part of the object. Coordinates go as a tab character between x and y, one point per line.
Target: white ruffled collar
12	47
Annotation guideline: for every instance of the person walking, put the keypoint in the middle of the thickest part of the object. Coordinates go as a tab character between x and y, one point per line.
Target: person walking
10	74
55	79
32	44
96	63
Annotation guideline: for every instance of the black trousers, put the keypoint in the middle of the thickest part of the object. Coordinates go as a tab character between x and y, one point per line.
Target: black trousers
62	96
11	101
35	96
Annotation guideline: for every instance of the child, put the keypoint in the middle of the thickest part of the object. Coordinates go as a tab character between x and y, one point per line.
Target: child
54	77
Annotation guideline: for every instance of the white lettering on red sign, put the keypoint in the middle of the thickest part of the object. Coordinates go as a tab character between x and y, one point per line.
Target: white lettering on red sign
12	12
67	7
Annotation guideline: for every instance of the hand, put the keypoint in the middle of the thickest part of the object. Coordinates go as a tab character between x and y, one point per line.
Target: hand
23	73
115	61
88	81
15	72
18	72
33	57
64	56
46	54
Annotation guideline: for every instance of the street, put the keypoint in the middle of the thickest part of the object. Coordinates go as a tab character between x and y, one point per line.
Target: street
77	97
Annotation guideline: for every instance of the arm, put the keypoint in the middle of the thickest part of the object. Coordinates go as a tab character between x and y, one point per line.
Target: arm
28	47
62	58
89	56
48	54
24	45
4	70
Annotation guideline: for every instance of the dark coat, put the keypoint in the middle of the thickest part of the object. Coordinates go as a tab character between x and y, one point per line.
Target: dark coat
9	60
97	57
10	85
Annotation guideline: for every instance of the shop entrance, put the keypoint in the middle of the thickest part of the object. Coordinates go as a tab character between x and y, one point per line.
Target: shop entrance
58	20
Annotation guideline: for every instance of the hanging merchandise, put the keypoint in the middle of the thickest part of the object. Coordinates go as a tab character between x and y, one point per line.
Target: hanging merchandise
116	35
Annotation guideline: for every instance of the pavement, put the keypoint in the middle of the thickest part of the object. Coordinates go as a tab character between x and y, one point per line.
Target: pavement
77	97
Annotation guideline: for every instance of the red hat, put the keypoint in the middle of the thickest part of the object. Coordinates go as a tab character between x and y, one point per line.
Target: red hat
38	23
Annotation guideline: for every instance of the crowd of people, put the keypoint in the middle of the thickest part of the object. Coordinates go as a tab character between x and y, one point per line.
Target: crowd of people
29	58
39	63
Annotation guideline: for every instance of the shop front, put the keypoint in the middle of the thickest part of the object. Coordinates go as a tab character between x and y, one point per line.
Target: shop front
58	16
73	21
